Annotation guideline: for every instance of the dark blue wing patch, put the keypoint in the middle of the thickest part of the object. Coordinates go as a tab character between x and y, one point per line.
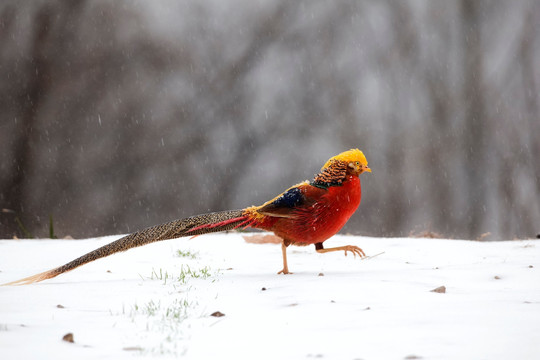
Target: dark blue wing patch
291	198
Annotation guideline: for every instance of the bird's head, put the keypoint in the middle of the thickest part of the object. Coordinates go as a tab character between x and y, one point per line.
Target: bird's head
355	160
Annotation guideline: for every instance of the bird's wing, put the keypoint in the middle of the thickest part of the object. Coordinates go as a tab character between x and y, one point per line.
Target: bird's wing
285	205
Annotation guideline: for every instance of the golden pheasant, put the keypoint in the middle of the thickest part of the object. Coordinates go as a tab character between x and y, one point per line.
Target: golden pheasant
307	213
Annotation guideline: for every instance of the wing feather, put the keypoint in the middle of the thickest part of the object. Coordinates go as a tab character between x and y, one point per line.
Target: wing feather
286	204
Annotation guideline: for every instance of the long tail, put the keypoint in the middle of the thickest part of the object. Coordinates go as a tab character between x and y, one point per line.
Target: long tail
195	225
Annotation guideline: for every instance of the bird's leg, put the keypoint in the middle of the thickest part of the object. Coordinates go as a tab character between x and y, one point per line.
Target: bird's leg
352	248
285	269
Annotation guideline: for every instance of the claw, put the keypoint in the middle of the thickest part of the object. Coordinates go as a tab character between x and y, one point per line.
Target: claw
284	272
355	250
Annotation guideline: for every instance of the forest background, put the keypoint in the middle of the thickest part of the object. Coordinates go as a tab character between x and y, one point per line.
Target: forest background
117	115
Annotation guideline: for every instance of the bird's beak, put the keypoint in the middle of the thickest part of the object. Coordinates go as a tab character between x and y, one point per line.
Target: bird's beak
359	169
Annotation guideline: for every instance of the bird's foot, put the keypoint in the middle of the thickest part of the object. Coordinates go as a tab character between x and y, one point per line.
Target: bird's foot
284	271
354	249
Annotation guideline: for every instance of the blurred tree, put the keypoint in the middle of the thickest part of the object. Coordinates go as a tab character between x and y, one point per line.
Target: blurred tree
476	123
34	82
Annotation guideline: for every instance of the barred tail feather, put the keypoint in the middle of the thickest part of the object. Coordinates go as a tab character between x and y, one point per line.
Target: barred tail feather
195	225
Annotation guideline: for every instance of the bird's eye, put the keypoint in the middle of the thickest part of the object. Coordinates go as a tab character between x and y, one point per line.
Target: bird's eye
357	163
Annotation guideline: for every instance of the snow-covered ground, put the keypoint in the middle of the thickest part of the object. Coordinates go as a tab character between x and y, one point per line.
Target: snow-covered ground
153	302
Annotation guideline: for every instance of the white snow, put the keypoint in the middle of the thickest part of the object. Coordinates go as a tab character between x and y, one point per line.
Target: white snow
380	308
